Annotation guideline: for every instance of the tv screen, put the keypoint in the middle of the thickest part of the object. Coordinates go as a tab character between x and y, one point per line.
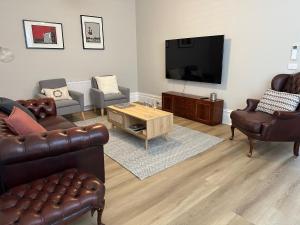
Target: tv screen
195	59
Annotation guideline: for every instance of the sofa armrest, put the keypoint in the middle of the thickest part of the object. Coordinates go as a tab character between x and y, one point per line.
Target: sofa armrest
78	96
125	91
52	143
286	115
41	108
97	97
251	105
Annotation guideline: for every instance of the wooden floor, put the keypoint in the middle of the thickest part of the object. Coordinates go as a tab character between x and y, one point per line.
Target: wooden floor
221	186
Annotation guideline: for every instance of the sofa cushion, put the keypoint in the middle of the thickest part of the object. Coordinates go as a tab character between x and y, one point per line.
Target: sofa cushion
7	105
61	93
278	101
66	103
108	84
52	200
56	123
22	124
250	121
110	97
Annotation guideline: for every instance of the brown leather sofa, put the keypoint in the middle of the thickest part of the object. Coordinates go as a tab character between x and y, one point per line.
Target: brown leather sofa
279	127
53	177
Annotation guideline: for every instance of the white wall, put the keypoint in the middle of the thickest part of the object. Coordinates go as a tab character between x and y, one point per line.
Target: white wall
19	78
259	36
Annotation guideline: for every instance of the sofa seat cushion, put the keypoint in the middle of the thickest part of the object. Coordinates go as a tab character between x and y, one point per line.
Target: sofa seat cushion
51	200
111	97
55	123
66	103
250	121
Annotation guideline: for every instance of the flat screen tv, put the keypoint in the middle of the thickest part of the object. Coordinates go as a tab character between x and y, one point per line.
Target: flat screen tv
195	59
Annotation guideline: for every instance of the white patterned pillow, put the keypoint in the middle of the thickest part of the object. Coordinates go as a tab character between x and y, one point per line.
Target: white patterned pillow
57	93
278	101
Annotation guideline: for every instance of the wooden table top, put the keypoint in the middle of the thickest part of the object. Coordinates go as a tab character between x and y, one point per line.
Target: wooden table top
141	112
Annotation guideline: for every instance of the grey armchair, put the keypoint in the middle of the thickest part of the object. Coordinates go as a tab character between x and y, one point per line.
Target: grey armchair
101	101
64	107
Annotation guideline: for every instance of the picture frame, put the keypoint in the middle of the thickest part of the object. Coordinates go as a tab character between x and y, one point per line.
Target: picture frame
43	35
92	32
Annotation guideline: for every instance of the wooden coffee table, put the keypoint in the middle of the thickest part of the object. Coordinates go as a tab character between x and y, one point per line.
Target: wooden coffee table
157	122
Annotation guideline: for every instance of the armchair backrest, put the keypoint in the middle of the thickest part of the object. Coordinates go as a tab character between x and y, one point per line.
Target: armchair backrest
287	83
94	81
53	83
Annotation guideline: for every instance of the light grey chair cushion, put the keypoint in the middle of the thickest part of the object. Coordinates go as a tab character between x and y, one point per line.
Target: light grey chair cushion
110	97
68	110
65	103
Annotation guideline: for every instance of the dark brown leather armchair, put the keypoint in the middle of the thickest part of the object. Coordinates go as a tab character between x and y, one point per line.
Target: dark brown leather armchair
279	127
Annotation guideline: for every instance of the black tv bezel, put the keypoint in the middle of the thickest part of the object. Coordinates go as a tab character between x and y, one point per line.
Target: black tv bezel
222	58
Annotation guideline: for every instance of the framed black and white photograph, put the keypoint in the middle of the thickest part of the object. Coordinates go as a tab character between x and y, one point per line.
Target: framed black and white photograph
44	35
92	32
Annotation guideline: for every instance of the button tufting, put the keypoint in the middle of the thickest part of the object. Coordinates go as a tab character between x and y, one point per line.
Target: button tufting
46	193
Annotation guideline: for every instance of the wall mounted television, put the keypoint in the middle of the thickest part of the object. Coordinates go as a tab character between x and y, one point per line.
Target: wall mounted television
197	59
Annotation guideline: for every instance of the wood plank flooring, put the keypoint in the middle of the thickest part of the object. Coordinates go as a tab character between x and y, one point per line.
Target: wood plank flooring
221	186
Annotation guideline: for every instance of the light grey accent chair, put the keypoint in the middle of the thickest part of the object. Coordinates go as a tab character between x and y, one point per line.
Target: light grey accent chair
101	101
64	107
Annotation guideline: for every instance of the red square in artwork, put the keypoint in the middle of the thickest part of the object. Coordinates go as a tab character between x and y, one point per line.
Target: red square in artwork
44	34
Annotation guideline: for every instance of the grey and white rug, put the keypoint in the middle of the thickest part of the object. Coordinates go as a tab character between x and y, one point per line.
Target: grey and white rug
129	150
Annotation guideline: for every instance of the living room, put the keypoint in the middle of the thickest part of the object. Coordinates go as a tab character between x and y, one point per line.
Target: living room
161	153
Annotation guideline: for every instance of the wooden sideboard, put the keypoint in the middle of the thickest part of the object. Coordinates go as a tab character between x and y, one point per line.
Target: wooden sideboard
193	107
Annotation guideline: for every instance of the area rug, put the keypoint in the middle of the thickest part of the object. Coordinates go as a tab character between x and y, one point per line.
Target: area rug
129	150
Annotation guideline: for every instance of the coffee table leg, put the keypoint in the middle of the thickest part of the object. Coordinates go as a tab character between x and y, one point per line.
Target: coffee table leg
146	144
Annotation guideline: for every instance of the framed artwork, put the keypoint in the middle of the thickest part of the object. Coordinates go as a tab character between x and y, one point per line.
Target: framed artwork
92	32
44	35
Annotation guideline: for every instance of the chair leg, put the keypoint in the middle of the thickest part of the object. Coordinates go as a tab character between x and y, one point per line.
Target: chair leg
251	147
102	111
296	148
99	216
93	212
82	115
232	132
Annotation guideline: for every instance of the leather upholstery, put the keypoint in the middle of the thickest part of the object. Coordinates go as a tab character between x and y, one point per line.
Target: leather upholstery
281	126
250	121
51	200
41	108
63	146
56	142
37	197
55	123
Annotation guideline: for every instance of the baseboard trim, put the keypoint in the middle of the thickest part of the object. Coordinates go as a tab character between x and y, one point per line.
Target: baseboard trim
226	116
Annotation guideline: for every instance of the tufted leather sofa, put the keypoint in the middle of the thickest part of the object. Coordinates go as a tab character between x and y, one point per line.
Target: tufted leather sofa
29	162
279	127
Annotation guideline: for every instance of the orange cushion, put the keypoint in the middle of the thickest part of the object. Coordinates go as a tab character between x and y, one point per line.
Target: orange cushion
22	124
